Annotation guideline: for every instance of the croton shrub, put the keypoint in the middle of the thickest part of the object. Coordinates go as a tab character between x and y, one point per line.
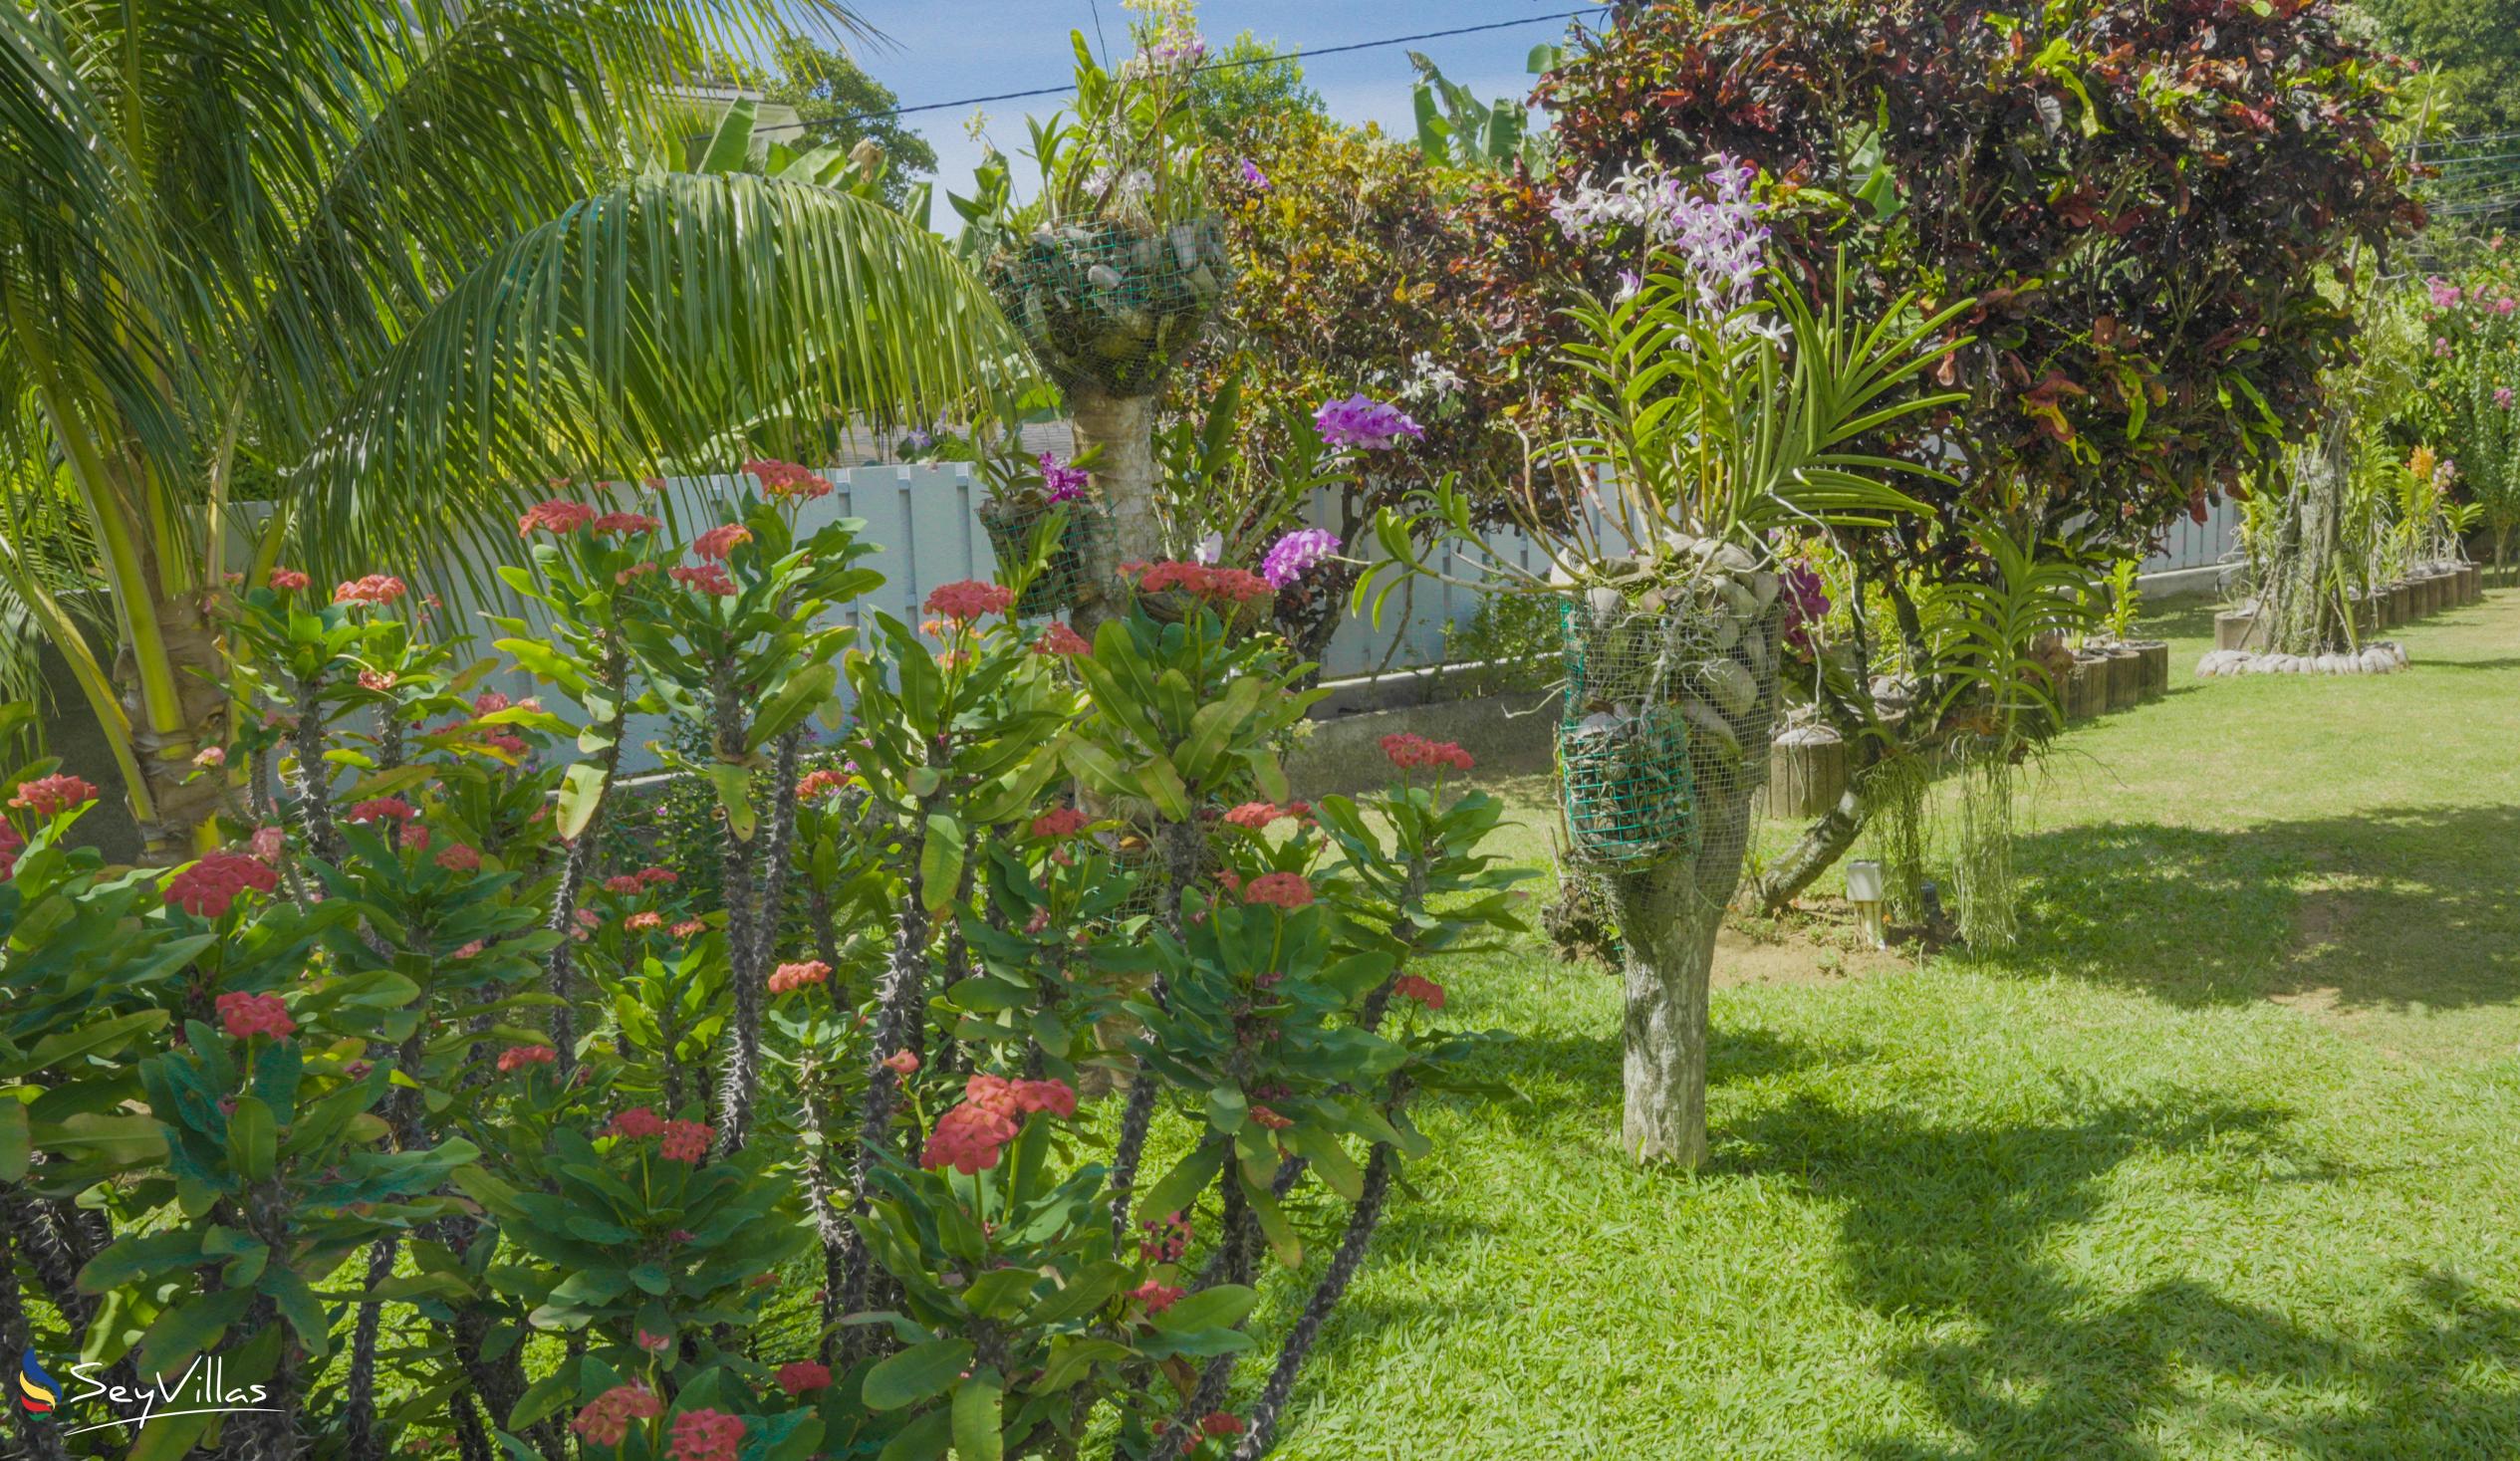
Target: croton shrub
1029	1031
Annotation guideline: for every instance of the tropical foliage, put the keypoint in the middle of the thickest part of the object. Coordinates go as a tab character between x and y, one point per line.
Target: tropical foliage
655	1173
375	273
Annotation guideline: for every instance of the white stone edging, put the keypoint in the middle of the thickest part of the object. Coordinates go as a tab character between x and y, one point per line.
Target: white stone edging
2384	656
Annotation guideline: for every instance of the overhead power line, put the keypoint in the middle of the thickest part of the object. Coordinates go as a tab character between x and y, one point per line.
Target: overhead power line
1271	58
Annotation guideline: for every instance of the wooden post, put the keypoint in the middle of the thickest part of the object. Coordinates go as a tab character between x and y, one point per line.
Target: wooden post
1807	773
2126	677
2154	679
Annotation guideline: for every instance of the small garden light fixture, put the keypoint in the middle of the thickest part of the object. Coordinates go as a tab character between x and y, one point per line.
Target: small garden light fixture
1864	889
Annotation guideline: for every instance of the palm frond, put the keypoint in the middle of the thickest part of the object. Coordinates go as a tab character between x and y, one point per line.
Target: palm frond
671	319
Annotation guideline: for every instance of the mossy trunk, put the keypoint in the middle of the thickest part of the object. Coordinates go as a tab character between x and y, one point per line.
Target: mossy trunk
1120	431
1668	915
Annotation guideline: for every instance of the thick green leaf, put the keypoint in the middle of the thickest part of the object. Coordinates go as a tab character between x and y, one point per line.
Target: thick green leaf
581	793
253	1139
917	1373
17	1145
1220	1308
734	793
190	1326
795	700
940	858
977	1418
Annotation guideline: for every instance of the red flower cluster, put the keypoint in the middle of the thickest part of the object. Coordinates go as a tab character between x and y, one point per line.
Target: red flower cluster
721	540
969	1138
248	1015
10	845
51	795
625	522
606	1419
556	516
208	887
822	782
1059	824
705	1435
1257	815
788	479
1199	580
708	578
517	1056
689	928
644	921
969	599
1060	639
1157	1297
1270	1119
378	809
1218	1425
376	680
624	885
1410	752
685	1141
288	580
797	976
1425	990
903	1062
1286	890
803	1376
1165	1240
621	580
375	590
637	1123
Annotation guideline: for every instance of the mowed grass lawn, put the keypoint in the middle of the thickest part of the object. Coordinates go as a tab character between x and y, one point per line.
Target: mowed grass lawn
2220	1161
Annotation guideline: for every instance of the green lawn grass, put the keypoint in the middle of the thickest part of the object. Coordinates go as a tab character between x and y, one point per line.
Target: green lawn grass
2219	1161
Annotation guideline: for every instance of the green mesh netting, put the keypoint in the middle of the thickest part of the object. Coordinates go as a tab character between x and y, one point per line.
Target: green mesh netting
1626	782
1668	706
1107	304
1064	581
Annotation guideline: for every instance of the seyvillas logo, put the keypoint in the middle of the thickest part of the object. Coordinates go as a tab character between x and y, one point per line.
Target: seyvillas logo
202	1389
37	1391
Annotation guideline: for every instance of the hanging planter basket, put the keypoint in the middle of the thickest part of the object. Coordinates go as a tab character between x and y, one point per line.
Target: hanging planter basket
1669	704
1629	795
1112	305
1066	581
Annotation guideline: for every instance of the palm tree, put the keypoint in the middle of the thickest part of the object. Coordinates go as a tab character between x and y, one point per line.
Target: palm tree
384	266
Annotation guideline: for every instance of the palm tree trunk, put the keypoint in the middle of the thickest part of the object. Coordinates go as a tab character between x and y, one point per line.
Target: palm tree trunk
166	735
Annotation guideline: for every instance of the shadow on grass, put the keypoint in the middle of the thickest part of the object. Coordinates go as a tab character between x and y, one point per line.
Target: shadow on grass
2416	908
1552	1076
1956	1225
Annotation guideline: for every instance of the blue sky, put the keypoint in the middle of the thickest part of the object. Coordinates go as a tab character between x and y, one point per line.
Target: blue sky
950	49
